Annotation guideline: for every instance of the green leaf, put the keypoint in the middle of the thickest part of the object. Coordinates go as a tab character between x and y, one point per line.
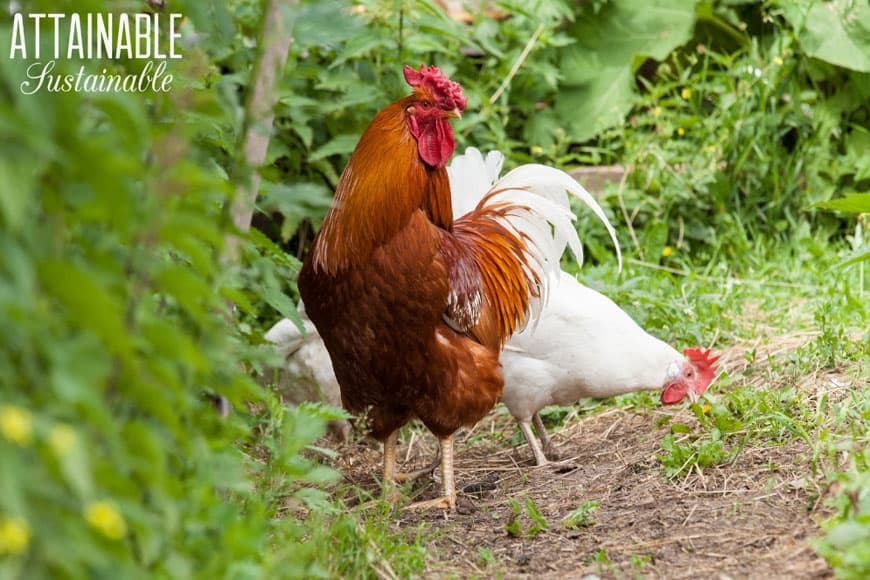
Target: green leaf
341	145
16	191
75	466
599	69
848	533
835	31
189	289
87	303
860	256
852	203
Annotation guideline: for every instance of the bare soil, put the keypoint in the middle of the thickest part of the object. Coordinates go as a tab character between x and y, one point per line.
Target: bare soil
751	518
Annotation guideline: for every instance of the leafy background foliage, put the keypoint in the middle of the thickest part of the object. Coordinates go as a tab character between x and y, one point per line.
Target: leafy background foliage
731	117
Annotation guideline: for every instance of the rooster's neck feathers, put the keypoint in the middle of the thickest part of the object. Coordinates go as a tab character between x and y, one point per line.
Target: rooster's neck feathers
383	184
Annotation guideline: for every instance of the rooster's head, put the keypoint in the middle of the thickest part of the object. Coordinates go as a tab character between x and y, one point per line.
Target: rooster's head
691	378
436	99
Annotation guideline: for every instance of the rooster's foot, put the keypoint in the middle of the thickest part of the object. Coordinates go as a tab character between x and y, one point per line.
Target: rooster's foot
442	503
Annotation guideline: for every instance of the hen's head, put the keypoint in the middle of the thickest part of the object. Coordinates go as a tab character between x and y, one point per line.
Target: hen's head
436	99
692	378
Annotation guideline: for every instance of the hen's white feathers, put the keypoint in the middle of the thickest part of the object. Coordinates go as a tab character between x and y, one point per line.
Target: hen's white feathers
584	346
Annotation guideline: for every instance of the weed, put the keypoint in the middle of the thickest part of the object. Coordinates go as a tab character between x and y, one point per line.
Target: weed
485	557
602	561
582	516
537	521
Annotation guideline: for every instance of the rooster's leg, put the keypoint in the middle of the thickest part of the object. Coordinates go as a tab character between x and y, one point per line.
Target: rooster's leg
542	433
448	484
390	457
526	428
390	473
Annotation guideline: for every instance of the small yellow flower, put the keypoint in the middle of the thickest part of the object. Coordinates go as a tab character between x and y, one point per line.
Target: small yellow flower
62	439
537	149
686	93
681	131
657	112
104	517
706	409
14	535
667	251
777	61
16	424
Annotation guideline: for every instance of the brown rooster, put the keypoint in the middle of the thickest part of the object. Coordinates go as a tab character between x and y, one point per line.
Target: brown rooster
413	306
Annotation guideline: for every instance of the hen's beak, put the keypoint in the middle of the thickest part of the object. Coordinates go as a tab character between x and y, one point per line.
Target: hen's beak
454	114
693	396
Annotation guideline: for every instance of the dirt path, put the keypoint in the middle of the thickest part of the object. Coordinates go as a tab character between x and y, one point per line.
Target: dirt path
751	518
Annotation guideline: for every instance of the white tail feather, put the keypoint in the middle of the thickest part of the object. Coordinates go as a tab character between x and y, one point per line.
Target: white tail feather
548	221
472	176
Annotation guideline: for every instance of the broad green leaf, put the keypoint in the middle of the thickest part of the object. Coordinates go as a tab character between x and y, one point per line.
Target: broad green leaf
326	24
835	31
599	68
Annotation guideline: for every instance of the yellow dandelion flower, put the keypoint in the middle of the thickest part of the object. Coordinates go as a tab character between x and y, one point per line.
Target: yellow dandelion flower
657	112
14	535
706	409
681	131
686	94
667	251
537	149
62	439
16	424
104	517
777	61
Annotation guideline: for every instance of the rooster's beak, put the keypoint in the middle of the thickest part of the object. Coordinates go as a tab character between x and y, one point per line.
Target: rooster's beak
454	114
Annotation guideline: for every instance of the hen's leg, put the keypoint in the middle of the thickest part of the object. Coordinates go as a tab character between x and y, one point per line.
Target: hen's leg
526	428
390	473
542	433
448	484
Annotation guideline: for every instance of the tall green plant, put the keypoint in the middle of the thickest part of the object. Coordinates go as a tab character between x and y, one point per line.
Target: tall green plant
115	325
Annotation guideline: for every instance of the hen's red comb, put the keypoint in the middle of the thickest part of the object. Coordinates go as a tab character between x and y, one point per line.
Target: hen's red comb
704	364
448	93
701	357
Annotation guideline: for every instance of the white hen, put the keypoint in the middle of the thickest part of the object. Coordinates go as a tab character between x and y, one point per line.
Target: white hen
583	346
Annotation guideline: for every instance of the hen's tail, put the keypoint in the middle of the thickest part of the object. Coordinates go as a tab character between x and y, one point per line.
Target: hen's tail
287	338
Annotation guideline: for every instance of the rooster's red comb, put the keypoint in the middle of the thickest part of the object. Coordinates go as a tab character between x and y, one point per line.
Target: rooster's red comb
448	93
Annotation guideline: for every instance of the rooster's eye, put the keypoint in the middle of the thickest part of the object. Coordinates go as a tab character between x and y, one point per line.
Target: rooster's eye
426	104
